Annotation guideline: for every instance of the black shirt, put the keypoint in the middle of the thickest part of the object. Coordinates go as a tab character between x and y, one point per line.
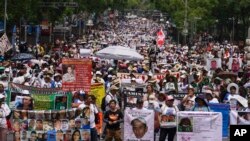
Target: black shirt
113	116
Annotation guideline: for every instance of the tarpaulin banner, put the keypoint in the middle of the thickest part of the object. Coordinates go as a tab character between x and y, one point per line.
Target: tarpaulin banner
76	74
224	109
138	125
199	126
98	90
30	98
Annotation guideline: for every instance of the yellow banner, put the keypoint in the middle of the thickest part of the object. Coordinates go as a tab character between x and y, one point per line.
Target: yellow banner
98	90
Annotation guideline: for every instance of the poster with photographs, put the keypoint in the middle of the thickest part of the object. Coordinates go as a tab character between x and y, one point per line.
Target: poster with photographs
76	74
29	98
130	97
213	64
234	64
168	117
42	124
138	125
199	126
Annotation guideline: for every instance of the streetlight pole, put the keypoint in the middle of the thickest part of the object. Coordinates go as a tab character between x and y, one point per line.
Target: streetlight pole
233	31
5	15
185	24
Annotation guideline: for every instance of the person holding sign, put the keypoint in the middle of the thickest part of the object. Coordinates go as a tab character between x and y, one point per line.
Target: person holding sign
168	119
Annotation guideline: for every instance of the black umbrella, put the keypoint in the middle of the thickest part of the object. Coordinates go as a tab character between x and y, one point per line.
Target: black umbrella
22	56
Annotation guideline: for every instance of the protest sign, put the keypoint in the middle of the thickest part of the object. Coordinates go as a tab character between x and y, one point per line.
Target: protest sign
234	64
4	44
224	109
239	118
76	74
138	120
130	97
30	98
199	126
61	125
98	90
213	64
144	77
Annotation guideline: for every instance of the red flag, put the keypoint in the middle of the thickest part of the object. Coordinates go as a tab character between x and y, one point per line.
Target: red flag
160	38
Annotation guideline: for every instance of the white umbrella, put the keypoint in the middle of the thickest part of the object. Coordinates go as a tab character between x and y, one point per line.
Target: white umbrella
119	53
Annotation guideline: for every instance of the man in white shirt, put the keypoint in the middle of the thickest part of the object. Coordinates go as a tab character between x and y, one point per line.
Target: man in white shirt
112	95
93	111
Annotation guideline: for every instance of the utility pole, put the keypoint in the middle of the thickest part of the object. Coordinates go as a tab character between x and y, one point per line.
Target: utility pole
185	31
5	15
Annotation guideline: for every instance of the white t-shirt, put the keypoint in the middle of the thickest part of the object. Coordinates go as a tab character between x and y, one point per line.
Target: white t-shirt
93	111
4	111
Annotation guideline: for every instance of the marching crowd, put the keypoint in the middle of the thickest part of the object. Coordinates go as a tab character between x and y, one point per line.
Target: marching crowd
185	69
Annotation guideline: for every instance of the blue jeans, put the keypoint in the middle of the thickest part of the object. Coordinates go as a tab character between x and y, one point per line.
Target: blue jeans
93	133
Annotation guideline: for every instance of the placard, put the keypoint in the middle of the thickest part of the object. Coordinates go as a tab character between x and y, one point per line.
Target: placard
76	74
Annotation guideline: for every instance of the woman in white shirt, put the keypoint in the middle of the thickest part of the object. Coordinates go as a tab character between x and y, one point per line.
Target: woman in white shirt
168	119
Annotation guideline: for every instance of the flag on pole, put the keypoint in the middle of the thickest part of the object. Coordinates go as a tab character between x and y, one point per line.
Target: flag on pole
4	44
160	38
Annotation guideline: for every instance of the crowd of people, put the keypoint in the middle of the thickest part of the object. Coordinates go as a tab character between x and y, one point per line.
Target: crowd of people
206	72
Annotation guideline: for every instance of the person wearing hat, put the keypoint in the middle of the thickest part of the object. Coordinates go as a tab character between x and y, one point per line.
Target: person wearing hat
233	90
139	104
152	103
57	82
4	112
189	100
209	97
112	95
201	104
98	78
168	119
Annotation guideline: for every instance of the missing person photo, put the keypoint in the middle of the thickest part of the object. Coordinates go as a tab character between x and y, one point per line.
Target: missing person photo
71	113
32	123
65	124
57	124
39	124
139	127
24	135
185	125
47	115
85	134
61	102
47	125
69	73
39	114
31	114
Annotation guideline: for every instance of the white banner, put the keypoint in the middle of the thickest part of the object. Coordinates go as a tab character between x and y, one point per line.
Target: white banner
240	118
139	125
199	126
213	64
4	44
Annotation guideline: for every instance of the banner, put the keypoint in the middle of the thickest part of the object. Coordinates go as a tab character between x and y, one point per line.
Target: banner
240	118
213	64
199	126
130	97
160	38
138	125
76	74
51	125
144	77
98	90
234	64
30	98
4	44
224	109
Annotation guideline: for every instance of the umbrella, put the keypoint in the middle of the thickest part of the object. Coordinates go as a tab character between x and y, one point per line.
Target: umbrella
119	53
227	74
22	56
